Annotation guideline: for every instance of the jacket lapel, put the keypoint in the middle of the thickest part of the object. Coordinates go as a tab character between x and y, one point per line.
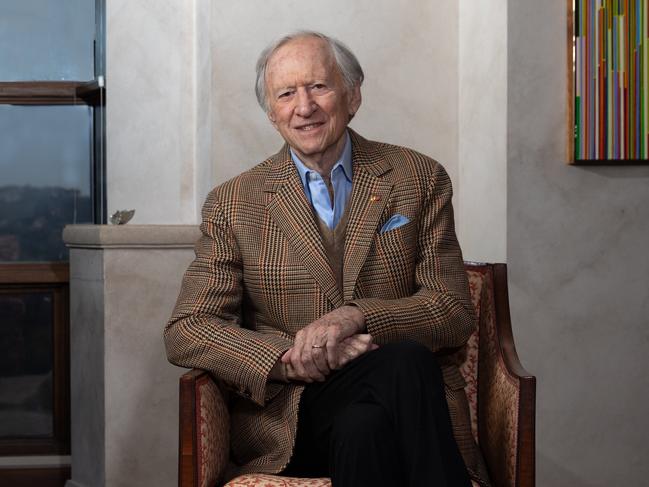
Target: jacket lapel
290	210
370	195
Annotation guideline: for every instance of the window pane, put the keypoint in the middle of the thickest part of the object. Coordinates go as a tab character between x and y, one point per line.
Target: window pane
47	40
45	160
26	362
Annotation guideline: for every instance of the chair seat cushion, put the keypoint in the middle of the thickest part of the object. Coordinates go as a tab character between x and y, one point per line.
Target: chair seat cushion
263	480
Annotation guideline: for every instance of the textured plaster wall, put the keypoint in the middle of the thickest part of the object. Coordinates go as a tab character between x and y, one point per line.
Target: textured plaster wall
577	242
482	129
151	110
408	52
182	116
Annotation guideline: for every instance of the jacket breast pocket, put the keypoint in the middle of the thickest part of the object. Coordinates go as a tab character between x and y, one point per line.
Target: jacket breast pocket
397	244
389	270
402	235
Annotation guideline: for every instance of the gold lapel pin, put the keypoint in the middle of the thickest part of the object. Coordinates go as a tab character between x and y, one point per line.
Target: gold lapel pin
374	198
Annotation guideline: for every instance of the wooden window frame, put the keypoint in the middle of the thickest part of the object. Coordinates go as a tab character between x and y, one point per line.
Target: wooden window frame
51	93
56	274
46	277
90	93
50	276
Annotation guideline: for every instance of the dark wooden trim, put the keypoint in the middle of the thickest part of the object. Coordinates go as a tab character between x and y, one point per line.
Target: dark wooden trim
504	324
59	441
51	93
92	94
39	92
61	368
610	162
187	471
526	450
32	446
34	272
31	476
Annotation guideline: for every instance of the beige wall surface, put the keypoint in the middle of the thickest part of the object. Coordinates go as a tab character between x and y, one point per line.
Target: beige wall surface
182	115
577	242
482	102
407	50
150	119
481	87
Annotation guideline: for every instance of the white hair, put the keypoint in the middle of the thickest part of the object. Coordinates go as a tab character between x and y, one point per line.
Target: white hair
348	66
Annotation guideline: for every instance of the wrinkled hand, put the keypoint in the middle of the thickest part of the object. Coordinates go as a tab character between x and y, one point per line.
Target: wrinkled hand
321	346
350	348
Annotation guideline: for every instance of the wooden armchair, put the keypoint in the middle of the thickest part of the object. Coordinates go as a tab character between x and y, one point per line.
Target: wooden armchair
501	396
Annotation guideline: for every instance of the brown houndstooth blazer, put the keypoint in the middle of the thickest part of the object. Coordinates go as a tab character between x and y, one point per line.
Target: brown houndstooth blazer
261	274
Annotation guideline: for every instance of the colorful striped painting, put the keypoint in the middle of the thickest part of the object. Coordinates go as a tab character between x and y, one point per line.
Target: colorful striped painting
611	79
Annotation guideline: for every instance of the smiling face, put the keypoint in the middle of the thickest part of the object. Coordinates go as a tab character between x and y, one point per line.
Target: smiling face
308	102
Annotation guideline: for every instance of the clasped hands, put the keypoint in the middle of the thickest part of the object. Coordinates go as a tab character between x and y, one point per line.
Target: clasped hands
327	344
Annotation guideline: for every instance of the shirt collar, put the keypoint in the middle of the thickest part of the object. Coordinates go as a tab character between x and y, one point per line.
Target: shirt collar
345	162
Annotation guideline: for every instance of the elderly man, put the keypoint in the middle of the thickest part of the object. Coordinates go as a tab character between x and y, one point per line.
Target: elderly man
324	280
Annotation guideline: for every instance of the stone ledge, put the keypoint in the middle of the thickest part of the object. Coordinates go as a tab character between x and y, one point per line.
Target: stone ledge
131	236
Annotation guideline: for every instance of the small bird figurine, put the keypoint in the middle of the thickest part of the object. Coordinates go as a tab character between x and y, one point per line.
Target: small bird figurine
120	217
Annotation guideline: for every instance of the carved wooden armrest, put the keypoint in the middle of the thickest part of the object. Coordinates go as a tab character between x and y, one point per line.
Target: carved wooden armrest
204	431
506	393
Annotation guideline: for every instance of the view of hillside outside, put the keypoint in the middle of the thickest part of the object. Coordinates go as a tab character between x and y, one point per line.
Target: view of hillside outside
45	179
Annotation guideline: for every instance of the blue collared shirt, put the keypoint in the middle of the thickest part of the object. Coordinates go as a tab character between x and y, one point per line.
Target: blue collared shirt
315	187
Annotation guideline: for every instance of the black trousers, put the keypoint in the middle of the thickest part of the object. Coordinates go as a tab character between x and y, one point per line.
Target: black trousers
380	421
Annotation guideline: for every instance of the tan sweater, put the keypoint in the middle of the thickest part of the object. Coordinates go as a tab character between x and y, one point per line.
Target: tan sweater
334	244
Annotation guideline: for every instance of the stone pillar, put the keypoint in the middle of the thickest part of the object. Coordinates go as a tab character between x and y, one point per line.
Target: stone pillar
124	281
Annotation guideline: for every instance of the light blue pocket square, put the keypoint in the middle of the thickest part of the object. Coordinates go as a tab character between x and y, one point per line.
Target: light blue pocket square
395	221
